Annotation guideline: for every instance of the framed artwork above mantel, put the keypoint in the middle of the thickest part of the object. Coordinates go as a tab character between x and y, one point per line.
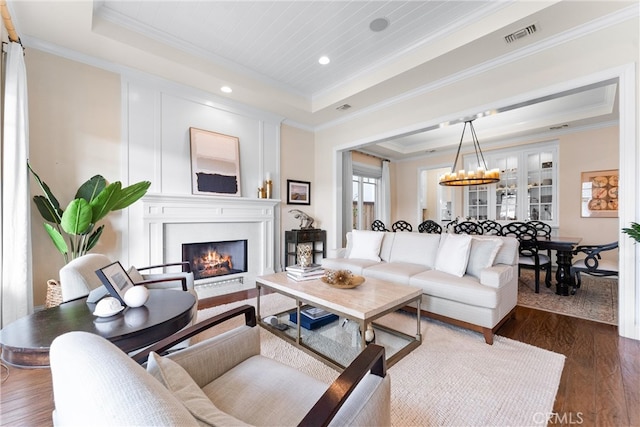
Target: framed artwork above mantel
215	163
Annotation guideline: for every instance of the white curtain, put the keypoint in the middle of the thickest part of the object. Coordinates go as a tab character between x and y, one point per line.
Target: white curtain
347	192
384	206
15	228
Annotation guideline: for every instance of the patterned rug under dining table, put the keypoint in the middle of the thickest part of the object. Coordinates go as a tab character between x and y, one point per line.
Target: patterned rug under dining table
339	342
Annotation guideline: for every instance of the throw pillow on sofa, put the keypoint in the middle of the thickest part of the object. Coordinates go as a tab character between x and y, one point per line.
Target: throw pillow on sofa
366	245
453	254
482	255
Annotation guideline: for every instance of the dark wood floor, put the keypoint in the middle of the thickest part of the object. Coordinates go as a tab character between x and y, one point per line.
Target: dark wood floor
600	384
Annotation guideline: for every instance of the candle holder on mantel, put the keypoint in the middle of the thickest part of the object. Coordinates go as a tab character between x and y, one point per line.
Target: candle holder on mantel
262	193
269	188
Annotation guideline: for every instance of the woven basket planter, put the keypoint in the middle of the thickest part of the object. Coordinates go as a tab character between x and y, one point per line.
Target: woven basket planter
54	294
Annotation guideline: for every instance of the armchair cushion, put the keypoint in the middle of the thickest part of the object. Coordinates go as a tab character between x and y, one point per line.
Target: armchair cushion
179	382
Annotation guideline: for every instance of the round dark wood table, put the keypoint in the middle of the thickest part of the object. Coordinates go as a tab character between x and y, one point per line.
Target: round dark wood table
26	341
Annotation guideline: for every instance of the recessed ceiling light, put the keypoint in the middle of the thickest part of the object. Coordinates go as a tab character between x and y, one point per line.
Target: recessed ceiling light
379	24
324	60
226	89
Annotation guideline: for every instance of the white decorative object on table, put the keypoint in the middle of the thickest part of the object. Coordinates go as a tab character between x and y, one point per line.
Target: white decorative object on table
108	307
136	296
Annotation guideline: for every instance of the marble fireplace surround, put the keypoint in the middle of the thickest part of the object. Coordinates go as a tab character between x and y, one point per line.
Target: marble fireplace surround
170	220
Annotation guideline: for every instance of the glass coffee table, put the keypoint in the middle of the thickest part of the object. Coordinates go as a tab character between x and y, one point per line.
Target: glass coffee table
338	342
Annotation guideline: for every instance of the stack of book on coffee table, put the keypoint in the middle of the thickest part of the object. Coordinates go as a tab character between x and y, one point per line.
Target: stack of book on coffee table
312	317
299	273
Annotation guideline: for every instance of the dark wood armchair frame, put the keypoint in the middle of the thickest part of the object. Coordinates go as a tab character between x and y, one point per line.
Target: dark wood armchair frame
430	226
591	262
371	359
186	268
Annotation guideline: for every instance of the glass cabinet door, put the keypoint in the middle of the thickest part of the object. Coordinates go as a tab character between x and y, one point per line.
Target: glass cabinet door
540	186
478	202
507	202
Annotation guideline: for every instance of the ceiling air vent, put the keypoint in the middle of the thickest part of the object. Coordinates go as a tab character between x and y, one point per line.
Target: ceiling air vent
343	107
523	32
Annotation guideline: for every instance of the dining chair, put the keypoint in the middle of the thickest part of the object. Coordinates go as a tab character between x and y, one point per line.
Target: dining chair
529	256
378	225
593	264
401	225
490	227
543	230
430	226
468	227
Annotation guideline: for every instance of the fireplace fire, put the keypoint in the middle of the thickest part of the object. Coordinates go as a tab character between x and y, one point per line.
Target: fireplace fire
213	259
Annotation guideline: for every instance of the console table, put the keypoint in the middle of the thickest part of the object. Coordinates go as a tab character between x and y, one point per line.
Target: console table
316	237
26	341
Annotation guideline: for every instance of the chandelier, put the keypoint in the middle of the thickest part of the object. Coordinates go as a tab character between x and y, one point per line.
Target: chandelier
482	175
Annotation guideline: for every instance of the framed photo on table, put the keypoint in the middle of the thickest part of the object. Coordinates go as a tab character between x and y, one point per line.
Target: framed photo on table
298	192
599	194
116	280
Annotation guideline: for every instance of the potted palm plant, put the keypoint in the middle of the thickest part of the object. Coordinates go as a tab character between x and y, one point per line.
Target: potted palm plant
77	222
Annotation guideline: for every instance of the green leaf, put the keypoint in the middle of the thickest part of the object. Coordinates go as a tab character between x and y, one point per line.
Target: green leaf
633	232
45	208
57	239
90	189
131	194
93	239
77	217
53	202
103	203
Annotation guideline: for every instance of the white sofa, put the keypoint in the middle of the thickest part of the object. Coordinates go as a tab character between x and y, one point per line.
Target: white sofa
470	281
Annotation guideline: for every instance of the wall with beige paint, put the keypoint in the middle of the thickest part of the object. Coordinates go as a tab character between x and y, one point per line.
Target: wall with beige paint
297	163
74	133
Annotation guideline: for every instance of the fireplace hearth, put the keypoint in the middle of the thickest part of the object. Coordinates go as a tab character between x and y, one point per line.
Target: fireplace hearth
214	259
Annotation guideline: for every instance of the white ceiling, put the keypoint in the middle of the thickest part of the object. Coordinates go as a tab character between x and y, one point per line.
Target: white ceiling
267	52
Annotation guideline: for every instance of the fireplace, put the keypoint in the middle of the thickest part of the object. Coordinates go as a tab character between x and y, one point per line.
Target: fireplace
214	259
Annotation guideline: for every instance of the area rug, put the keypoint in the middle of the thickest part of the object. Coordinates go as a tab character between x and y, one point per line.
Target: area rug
596	299
453	379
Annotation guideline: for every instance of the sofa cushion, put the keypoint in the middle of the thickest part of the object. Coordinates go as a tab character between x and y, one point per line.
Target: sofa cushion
466	289
482	255
356	266
415	248
366	245
183	387
453	254
508	252
395	272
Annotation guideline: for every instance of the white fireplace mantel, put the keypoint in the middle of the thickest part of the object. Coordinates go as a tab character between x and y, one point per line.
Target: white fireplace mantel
166	216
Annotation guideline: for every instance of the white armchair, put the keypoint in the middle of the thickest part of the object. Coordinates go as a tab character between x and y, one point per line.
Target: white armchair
78	278
221	381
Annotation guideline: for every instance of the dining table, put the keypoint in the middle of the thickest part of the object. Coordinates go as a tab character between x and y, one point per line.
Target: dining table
564	247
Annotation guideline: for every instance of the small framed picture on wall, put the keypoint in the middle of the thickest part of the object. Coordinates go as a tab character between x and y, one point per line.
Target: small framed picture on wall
298	192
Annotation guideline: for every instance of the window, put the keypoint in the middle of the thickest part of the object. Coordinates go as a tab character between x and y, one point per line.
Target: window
527	189
365	191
